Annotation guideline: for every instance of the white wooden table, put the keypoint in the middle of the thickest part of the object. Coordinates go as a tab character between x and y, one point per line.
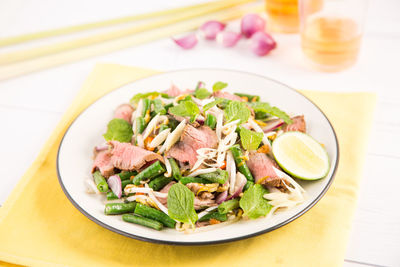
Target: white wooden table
31	105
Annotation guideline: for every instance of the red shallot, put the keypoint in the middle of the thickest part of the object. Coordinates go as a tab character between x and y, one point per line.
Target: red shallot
252	23
262	43
210	29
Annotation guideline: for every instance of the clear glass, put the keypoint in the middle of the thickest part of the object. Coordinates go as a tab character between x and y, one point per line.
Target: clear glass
331	35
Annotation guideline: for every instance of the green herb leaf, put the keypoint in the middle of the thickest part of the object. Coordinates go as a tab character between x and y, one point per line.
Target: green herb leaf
219	86
212	104
250	140
158	107
180	203
253	203
186	108
137	97
202	93
236	110
119	130
274	111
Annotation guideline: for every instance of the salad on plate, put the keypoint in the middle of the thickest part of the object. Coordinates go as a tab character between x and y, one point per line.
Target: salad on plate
186	159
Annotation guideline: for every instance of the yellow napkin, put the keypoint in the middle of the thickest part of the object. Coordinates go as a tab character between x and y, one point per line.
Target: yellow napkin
40	227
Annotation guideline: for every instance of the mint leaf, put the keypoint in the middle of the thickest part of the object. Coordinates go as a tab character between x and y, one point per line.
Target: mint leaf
250	140
274	111
236	110
119	130
212	104
201	93
219	86
180	203
186	108
137	97
253	203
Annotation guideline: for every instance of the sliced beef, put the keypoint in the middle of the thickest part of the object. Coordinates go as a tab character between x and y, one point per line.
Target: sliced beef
124	112
200	203
200	137
194	187
180	118
174	91
126	156
102	162
192	139
165	189
227	95
260	166
299	124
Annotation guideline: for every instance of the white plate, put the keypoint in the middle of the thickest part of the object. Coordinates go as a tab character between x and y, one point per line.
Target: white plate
75	153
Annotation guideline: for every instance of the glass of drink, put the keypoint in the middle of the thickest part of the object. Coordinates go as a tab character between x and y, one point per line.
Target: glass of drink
331	36
283	15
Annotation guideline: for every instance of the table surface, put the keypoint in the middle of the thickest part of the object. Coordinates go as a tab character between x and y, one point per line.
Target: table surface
32	105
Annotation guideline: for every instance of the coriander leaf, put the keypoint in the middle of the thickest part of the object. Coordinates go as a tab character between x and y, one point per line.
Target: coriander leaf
236	110
274	111
250	140
201	93
119	130
219	86
253	203
186	108
212	104
180	203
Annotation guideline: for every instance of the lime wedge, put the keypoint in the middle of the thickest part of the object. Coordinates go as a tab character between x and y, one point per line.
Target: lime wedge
301	156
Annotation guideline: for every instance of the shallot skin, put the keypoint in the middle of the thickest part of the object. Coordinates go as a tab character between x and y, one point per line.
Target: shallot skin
262	43
187	42
250	24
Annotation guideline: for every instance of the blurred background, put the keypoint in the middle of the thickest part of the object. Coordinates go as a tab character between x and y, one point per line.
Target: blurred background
34	100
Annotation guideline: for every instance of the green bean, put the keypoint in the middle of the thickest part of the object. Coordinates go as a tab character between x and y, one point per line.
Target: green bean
100	182
211	121
260	115
126	175
111	195
132	218
240	162
214	215
158	107
219	176
247	185
146	106
188	179
159	182
140	125
125	183
163	127
250	98
119	208
154	214
229	205
152	171
176	172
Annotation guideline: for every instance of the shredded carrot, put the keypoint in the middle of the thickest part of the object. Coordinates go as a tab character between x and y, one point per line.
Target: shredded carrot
261	123
131	178
263	149
139	194
272	137
214	221
223	167
254	99
244	98
147	142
